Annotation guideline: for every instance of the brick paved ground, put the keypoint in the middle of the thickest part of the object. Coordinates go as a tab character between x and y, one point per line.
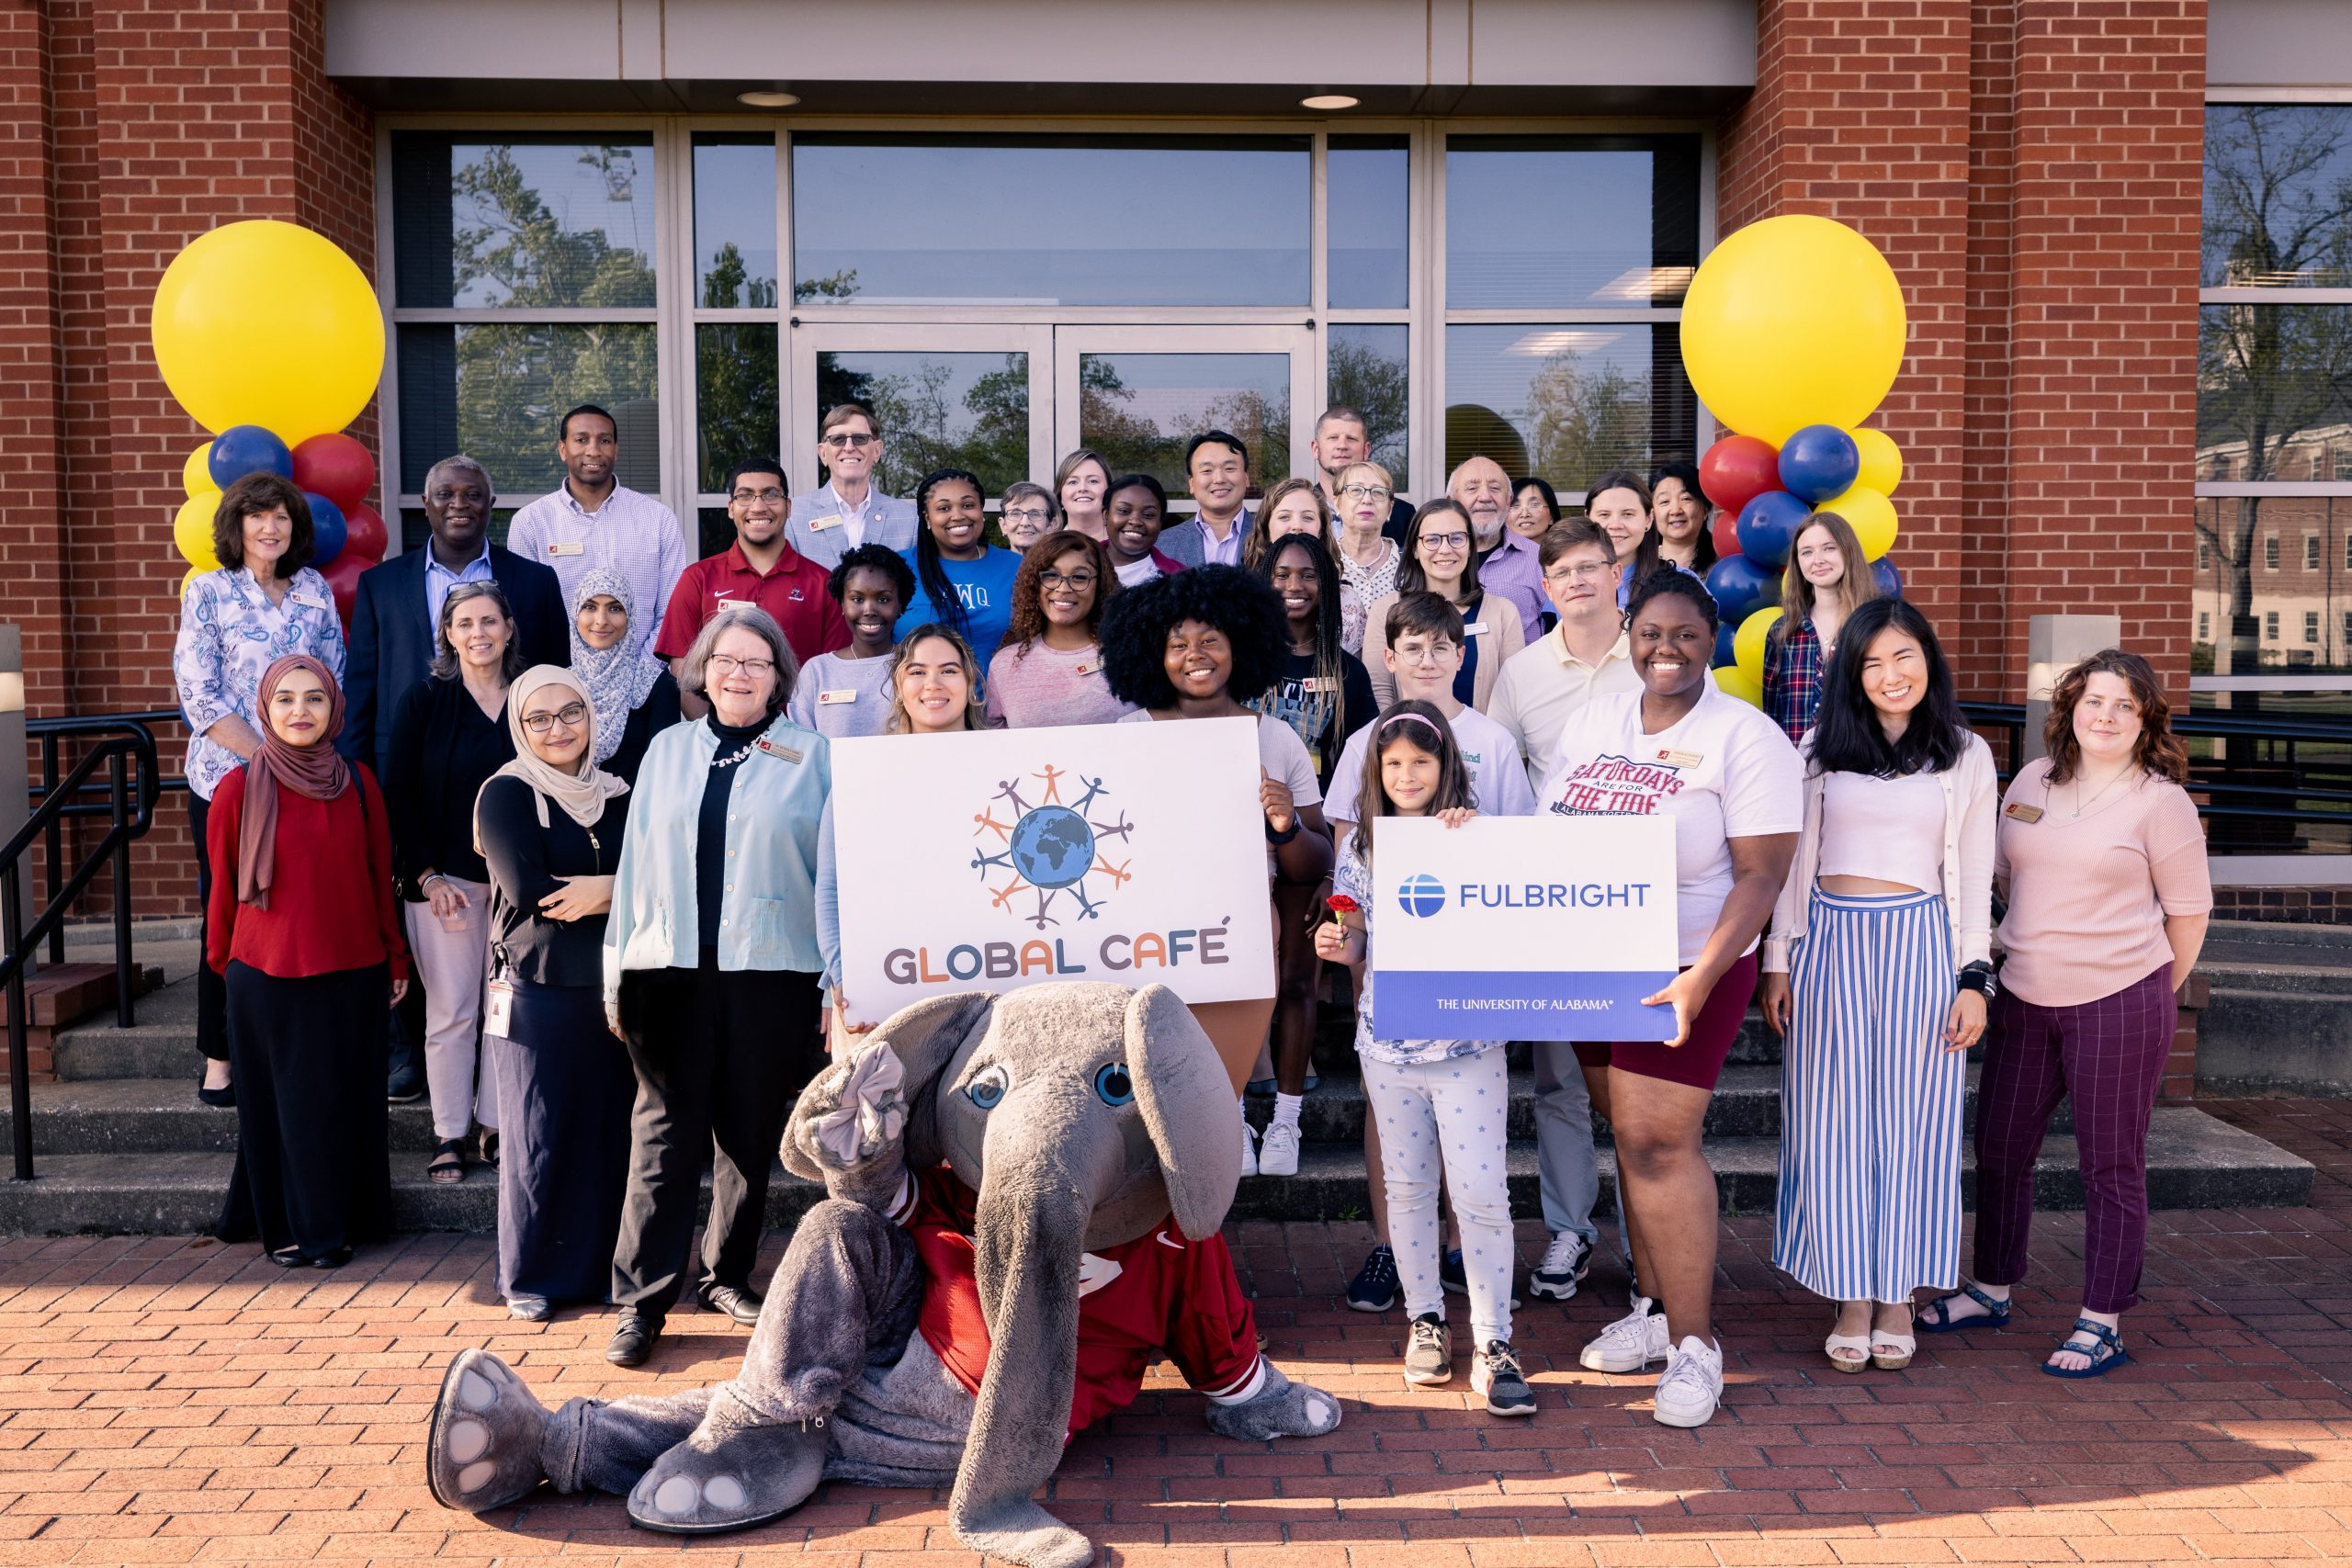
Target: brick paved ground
173	1400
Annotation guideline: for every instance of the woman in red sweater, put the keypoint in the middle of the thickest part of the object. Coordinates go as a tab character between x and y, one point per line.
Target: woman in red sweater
305	934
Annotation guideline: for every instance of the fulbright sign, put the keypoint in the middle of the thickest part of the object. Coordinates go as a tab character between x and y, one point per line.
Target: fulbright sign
991	858
1522	928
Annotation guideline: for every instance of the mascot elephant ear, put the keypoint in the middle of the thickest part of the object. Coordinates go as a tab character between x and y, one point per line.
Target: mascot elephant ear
926	1035
1187	1103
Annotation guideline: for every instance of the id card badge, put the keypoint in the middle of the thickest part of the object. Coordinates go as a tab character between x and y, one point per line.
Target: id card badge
498	1008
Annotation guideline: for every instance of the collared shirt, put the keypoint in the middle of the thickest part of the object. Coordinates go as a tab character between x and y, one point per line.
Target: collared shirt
1544	685
631	534
1792	677
439	580
824	528
1225	552
793	591
1514	569
230	633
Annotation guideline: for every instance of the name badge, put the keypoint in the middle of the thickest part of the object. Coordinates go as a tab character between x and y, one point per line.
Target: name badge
1674	759
498	1008
308	600
819	525
1476	628
1090	667
730	604
773	750
835	699
569	547
2017	810
1315	684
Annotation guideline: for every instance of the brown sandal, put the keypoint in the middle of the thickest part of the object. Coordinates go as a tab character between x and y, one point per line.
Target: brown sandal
449	1164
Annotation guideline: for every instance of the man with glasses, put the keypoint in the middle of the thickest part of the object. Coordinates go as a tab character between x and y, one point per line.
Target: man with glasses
847	510
759	567
1582	658
1341	438
1216	469
593	520
1507	561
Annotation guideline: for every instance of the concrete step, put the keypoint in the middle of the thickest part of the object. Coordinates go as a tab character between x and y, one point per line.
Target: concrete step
2274	1042
162	1044
2194	1162
2267	974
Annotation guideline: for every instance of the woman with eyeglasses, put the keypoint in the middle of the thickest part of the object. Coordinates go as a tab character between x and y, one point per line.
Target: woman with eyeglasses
710	972
1026	514
961	580
1049	670
1438	559
551	824
1368	557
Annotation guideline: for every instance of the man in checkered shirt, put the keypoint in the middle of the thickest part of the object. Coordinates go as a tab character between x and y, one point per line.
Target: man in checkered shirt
593	520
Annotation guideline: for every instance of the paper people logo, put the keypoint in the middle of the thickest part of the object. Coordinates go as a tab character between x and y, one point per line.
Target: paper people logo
1050	849
1421	894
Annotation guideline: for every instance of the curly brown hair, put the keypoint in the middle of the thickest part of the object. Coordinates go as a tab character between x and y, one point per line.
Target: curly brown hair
2160	752
1029	612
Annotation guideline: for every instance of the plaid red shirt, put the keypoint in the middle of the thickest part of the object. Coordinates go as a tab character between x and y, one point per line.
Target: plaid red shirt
1792	677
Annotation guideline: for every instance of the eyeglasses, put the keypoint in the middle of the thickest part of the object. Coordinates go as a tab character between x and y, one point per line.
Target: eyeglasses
1070	580
1365	492
569	715
724	664
745	497
1026	514
1591	571
446	495
853	443
1446	541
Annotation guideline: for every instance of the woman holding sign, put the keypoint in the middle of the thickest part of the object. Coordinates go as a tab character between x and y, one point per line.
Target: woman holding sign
1730	783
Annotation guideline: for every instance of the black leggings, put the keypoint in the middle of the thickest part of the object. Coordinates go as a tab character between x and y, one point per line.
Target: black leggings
212	989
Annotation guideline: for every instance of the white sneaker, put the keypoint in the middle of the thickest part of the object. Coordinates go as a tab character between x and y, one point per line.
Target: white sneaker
1630	1344
1692	1384
1278	1150
1249	1151
1565	1262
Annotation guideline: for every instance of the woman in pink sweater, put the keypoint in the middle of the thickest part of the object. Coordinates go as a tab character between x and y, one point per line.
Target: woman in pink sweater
2109	896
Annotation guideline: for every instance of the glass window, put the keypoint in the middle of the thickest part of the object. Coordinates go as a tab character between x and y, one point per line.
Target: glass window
2276	177
735	398
522	221
2271	553
714	531
2310	552
1366	206
735	221
1366	370
1568	403
2270	627
936	410
1559	222
1051	220
494	391
2311	627
2232	531
1140	410
2274	390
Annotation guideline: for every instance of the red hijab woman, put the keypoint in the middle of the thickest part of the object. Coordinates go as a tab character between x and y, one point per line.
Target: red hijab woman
305	934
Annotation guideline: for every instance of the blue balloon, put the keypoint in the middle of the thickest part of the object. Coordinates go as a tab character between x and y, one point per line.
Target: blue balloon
327	527
1726	655
245	449
1889	582
1769	526
1818	462
1741	587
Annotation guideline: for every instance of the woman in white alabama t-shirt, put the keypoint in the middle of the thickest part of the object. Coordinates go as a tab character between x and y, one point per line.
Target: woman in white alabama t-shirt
1730	782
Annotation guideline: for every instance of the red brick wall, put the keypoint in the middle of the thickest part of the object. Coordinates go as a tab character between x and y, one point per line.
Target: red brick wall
137	126
2032	169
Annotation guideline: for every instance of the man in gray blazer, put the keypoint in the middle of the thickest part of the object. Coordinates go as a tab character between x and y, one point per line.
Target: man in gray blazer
1216	469
847	510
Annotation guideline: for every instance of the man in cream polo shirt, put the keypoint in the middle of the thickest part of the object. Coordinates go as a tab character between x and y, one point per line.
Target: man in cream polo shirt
846	511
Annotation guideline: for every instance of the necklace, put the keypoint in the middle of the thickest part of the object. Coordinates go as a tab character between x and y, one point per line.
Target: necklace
746	750
2080	805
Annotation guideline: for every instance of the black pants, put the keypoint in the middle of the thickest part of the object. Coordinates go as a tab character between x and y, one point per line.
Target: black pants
719	1058
211	990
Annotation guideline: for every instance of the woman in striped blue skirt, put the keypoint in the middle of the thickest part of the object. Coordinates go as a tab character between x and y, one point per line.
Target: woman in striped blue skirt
1877	972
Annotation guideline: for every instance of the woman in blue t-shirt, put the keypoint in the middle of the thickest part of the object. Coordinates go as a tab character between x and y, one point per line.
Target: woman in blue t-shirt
961	580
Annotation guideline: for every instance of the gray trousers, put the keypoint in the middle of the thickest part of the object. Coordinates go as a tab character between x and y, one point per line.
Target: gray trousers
1563	1158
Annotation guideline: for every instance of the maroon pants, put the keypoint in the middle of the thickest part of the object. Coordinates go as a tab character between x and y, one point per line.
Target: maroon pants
2108	1056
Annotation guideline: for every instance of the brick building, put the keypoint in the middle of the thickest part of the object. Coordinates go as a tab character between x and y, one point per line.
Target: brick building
1028	226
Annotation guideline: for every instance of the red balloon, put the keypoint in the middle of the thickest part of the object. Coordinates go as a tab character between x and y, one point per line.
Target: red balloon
364	534
337	466
343	576
1735	471
1725	529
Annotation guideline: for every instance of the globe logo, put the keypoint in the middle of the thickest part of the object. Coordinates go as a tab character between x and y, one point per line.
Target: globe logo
1044	859
1421	895
1053	846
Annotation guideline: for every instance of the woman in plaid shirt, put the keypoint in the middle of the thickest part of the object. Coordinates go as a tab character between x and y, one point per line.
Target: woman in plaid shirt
1827	579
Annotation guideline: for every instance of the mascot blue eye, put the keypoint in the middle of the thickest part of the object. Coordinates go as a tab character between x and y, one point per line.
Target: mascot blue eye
1114	1085
987	1087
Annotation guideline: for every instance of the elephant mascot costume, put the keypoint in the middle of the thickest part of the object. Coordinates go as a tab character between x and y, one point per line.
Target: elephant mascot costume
1023	1196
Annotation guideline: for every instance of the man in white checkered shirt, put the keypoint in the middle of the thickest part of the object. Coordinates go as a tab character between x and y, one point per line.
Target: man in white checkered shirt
593	520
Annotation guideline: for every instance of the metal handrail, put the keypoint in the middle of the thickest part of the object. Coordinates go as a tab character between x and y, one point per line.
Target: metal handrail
51	733
130	815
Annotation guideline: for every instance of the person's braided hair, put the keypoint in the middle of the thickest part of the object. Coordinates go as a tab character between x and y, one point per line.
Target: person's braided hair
946	604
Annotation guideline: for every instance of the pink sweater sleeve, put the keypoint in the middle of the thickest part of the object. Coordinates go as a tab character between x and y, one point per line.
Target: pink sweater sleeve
2176	855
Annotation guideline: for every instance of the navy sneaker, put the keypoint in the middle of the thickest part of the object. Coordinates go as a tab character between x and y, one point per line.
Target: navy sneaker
1450	1275
1375	1287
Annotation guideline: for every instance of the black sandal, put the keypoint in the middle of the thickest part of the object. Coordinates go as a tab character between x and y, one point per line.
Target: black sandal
448	1163
490	1147
1995	1315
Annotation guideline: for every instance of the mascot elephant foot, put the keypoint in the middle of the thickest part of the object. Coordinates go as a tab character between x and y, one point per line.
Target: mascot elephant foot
484	1449
1281	1409
1019	1530
737	1471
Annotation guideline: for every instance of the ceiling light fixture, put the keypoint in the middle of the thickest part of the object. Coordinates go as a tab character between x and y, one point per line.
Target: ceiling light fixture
1329	101
768	100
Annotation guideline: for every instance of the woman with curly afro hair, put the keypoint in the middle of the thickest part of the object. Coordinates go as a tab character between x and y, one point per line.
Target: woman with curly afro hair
1205	644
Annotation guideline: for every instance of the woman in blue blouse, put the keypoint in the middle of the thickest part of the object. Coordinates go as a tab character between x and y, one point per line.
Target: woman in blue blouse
262	604
711	966
961	581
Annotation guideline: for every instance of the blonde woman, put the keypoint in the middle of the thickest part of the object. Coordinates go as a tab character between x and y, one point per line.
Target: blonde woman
1827	580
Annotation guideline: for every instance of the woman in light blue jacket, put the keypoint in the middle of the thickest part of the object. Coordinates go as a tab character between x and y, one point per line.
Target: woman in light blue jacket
711	969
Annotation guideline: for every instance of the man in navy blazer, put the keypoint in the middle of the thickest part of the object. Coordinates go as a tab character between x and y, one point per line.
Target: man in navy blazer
393	614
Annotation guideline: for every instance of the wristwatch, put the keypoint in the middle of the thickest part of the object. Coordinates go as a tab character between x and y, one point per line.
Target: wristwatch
1978	977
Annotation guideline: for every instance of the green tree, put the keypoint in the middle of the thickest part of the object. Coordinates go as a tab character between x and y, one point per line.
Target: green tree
1376	385
1582	422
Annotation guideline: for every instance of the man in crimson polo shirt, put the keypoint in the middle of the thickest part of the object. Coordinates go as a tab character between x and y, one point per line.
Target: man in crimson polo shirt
759	567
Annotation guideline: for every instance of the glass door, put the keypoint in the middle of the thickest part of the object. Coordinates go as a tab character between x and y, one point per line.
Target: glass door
1138	394
946	397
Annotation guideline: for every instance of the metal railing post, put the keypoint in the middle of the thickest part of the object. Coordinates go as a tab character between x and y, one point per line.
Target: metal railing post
56	841
124	1011
20	1088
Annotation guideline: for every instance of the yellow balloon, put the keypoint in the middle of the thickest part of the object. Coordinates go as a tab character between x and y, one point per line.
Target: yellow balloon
196	474
264	322
1747	643
1869	514
1882	461
1734	682
192	530
1791	322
